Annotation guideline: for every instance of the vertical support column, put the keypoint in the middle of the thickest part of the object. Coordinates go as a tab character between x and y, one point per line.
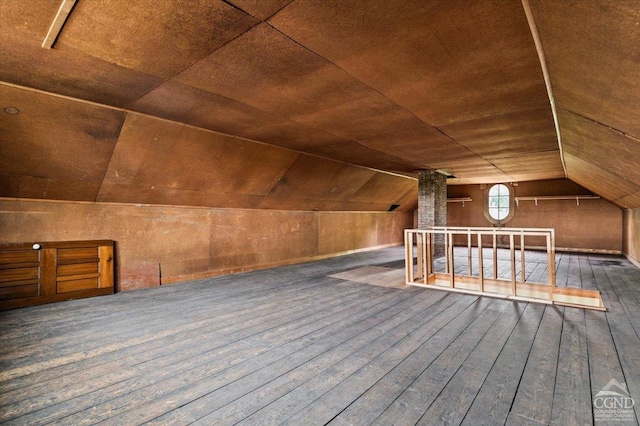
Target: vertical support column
432	205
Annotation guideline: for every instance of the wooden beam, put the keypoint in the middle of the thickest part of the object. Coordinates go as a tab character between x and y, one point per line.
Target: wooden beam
58	23
533	27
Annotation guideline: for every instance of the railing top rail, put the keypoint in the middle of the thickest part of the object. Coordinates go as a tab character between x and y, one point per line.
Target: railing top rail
492	228
475	231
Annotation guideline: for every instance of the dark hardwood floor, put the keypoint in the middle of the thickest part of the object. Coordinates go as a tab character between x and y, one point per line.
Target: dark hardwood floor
292	345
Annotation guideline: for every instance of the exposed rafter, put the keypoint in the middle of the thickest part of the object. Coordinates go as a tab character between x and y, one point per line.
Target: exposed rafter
545	72
58	23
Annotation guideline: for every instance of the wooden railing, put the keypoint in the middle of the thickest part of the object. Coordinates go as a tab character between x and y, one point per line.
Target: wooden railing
421	270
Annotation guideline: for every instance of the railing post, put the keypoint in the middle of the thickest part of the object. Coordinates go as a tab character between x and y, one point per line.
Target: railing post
480	262
522	260
470	259
551	267
495	256
420	255
429	257
512	257
452	269
408	246
552	262
446	253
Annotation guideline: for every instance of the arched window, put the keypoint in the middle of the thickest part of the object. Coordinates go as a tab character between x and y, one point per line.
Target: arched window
499	206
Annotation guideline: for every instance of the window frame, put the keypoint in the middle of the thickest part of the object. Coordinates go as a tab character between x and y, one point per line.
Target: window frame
499	222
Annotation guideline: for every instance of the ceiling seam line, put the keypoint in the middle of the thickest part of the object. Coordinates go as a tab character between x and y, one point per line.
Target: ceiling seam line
380	93
545	74
115	145
130	111
279	10
471	151
349	74
601	124
196	62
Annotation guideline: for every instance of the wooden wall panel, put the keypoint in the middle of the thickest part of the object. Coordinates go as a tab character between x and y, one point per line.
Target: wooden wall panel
243	238
593	225
167	244
631	234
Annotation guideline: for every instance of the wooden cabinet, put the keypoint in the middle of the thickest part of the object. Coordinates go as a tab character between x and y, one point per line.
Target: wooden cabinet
37	273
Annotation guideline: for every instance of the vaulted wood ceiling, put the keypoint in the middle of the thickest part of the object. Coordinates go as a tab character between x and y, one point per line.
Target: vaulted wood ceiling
392	85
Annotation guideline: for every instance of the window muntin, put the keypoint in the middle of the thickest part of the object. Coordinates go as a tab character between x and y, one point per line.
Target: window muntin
499	202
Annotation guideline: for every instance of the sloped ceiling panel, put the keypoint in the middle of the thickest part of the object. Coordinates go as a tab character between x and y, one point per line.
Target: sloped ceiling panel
159	38
396	85
60	148
460	67
63	70
593	55
55	148
347	80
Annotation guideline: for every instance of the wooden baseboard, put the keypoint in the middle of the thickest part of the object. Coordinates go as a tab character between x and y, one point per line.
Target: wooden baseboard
636	263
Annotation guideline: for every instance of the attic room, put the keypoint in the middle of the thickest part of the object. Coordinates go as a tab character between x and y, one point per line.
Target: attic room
249	186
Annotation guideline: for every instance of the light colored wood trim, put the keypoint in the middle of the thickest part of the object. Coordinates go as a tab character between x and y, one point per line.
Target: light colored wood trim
512	258
452	268
575	198
495	256
425	249
510	288
538	293
58	23
480	261
459	200
533	27
469	256
429	254
420	255
522	262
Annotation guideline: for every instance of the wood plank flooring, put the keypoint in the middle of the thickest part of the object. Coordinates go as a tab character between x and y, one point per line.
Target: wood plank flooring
309	344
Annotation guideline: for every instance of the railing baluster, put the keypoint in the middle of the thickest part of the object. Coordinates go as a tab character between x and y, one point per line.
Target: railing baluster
512	258
522	260
452	269
420	255
505	287
495	256
480	262
429	254
469	257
